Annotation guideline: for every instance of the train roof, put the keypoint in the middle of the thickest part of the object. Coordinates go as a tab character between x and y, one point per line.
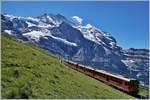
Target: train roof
107	73
114	75
110	74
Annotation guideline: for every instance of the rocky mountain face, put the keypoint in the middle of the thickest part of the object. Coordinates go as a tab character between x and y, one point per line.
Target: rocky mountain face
137	61
85	44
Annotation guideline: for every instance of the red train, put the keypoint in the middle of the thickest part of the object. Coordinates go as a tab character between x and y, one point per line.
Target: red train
117	81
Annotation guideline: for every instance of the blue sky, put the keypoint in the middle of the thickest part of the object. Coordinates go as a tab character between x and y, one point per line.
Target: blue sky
127	21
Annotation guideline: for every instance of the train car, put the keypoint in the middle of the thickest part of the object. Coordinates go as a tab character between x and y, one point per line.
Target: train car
117	81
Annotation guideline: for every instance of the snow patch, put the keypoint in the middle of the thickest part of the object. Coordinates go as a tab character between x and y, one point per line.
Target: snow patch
33	19
138	75
113	44
50	19
44	26
88	26
11	17
128	62
64	40
35	35
8	32
77	19
30	24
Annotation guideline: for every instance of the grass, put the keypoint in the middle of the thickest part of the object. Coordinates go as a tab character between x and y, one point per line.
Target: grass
143	91
30	72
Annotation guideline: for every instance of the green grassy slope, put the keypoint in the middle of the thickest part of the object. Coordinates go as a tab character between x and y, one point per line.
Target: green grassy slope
30	72
143	91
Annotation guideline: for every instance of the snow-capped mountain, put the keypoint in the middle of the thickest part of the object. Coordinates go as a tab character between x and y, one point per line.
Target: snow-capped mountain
85	44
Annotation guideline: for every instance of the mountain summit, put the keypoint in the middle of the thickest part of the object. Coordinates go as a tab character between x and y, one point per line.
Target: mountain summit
85	44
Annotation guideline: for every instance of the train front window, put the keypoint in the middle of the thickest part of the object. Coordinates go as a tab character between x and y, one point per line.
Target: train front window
134	82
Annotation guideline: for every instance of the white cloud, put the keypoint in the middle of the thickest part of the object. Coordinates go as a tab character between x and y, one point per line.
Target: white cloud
77	19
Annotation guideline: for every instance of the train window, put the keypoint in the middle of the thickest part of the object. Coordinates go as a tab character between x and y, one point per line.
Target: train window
116	80
102	75
126	83
134	82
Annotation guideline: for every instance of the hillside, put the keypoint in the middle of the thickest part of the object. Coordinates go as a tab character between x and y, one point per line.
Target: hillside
30	72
